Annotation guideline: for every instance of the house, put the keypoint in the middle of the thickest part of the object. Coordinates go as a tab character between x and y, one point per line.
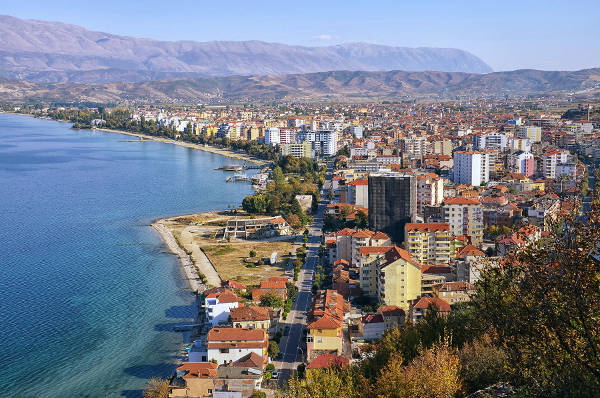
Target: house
275	286
420	308
251	317
324	336
455	292
193	379
325	361
230	344
371	326
217	304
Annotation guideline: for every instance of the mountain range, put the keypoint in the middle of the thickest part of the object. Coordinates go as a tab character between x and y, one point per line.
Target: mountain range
336	85
48	52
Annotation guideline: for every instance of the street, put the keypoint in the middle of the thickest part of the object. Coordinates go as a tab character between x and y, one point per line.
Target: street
292	346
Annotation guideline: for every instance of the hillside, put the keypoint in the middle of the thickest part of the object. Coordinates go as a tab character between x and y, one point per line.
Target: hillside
47	52
337	85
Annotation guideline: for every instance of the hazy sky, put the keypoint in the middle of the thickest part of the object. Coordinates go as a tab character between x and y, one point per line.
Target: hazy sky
550	35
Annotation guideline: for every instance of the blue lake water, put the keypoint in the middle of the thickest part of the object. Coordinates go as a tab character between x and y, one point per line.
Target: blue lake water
88	293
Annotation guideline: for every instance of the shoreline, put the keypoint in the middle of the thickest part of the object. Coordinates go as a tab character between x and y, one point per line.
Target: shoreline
219	151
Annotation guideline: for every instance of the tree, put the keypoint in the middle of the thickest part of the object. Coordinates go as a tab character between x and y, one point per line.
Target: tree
156	388
273	349
271	300
361	220
544	306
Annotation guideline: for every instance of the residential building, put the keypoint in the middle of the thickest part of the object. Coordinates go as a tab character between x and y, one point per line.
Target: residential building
230	344
392	203
465	217
428	243
471	168
533	133
399	278
430	191
455	292
218	303
193	379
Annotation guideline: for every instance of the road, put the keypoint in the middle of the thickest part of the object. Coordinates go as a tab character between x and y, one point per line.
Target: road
293	346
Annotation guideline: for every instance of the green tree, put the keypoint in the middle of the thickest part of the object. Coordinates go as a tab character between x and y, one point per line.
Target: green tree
273	349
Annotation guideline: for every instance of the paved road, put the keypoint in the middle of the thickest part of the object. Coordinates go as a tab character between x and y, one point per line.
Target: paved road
293	346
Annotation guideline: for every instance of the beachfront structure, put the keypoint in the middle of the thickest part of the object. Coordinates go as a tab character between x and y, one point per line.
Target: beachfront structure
428	243
218	303
257	228
465	217
472	168
230	344
392	203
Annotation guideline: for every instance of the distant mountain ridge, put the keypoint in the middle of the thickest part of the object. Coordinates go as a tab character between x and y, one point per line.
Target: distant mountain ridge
336	85
47	52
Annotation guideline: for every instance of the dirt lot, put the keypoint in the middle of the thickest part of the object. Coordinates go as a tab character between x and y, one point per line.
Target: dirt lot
230	258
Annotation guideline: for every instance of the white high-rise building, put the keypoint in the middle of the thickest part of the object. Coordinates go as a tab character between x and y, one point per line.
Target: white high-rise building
471	168
272	136
491	140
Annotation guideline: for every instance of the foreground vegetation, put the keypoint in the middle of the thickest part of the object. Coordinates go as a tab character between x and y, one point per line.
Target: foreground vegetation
532	329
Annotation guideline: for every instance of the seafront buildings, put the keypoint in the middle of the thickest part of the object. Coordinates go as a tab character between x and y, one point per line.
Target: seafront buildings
422	198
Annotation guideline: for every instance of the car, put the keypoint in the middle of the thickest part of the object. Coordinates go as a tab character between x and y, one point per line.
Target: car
274	374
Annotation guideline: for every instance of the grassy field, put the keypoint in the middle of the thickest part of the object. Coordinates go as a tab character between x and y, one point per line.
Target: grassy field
231	259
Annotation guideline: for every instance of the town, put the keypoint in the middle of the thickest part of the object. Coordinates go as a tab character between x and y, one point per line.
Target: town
416	201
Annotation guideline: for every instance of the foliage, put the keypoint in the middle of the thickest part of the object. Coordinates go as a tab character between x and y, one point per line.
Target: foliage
271	300
156	388
273	349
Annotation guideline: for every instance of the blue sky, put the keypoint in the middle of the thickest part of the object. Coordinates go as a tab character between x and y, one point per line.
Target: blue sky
550	35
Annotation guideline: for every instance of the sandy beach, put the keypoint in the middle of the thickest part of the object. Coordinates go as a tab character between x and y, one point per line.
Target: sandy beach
189	268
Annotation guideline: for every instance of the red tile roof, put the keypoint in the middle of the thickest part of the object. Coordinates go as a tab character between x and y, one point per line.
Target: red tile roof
325	361
428	227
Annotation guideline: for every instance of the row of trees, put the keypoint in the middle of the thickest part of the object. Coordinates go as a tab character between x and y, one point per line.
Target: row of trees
534	324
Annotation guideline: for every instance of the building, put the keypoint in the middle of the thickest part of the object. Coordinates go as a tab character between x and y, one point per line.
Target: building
251	317
302	150
226	345
490	140
454	292
533	133
399	278
392	203
358	193
521	162
420	308
272	136
471	168
465	217
428	243
430	191
194	379
218	303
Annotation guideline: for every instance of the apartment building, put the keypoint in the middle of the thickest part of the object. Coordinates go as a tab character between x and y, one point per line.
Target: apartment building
392	203
430	191
471	168
465	217
428	243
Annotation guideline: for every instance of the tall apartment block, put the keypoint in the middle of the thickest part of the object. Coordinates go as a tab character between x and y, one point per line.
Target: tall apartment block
392	203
